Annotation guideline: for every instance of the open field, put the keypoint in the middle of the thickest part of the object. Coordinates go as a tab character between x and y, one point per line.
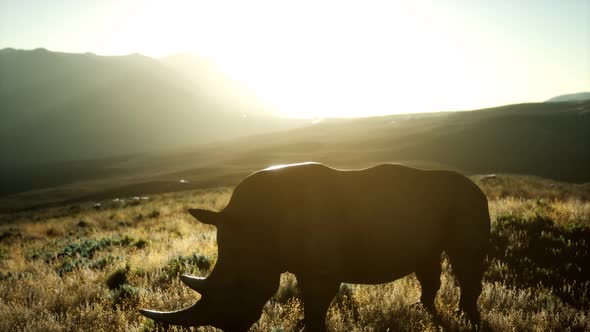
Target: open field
90	267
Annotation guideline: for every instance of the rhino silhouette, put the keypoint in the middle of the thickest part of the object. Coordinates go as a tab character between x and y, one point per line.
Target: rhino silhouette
330	226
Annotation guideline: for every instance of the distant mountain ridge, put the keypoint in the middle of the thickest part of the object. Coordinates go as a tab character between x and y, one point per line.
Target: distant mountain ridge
572	97
61	106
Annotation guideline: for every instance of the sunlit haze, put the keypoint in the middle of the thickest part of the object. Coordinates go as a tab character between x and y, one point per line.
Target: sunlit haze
338	58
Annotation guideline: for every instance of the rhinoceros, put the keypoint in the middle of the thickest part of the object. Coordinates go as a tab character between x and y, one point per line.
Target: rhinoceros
330	226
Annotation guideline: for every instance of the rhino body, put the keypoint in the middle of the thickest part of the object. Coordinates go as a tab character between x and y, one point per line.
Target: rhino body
330	226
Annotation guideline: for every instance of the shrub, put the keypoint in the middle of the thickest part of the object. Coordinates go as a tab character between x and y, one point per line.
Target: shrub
70	265
88	248
54	232
154	214
535	251
13	275
47	256
140	244
102	262
10	234
81	254
186	264
117	278
125	293
3	254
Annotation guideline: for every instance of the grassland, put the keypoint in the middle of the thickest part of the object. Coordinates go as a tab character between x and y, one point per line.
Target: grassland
90	267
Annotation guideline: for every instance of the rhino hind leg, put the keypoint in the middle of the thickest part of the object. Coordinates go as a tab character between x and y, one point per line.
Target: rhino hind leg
468	268
429	277
317	295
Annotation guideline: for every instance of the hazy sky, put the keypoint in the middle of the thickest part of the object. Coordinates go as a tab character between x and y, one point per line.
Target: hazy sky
338	58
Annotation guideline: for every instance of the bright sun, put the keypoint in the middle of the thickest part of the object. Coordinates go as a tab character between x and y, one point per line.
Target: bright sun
326	59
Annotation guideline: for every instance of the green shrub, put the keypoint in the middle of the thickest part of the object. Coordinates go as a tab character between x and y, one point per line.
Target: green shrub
81	254
70	265
125	294
102	262
139	272
186	264
3	254
47	256
88	248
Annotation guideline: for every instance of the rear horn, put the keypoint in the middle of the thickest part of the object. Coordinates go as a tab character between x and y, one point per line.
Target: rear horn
206	216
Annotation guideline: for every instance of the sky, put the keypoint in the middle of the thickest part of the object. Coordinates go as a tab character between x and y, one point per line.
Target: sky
337	58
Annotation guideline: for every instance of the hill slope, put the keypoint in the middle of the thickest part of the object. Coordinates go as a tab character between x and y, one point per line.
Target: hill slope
212	83
544	139
59	106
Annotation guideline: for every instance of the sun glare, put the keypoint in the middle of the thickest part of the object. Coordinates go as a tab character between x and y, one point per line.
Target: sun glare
275	167
310	59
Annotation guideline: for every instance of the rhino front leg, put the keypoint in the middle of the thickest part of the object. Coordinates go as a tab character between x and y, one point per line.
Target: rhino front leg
317	294
428	274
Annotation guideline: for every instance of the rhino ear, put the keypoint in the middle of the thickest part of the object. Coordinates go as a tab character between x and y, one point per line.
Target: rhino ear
206	216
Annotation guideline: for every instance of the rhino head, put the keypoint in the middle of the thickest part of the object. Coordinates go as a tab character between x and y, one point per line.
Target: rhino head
233	295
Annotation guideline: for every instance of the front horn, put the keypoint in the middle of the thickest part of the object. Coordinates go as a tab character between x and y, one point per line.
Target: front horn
186	317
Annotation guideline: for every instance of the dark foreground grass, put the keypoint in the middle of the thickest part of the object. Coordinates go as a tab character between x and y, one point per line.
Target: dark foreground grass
90	267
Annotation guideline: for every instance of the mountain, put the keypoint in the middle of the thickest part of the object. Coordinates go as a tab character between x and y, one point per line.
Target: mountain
573	97
216	85
60	106
549	140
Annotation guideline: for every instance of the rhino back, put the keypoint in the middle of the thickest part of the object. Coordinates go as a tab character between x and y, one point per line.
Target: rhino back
315	217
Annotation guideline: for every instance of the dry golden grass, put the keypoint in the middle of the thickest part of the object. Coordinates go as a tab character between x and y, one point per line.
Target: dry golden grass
55	265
